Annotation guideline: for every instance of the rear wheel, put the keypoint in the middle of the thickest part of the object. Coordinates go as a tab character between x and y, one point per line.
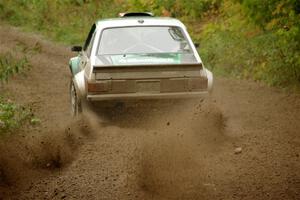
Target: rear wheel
75	101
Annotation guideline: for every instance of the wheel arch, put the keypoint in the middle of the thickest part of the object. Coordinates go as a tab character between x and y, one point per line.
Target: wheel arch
79	83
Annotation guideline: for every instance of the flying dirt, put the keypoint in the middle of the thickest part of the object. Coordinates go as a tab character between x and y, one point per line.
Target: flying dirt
241	143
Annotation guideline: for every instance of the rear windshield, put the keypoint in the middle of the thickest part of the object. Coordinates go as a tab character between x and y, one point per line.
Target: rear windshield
143	40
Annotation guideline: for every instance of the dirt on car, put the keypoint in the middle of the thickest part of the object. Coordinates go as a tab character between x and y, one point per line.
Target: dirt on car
241	143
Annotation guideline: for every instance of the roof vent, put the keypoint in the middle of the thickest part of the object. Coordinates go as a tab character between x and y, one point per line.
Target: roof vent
136	14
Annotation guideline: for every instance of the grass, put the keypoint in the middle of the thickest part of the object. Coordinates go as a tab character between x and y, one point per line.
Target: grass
10	65
13	116
65	21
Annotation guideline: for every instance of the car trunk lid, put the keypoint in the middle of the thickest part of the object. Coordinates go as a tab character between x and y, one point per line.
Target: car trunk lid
148	78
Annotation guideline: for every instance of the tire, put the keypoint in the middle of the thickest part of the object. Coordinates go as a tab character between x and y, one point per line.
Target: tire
76	108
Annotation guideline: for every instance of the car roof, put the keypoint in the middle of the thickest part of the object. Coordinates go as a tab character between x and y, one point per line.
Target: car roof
138	21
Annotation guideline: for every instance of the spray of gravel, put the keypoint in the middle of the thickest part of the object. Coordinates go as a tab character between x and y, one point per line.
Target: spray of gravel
170	135
34	154
170	164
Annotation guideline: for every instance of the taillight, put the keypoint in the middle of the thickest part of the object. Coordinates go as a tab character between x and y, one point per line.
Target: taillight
102	86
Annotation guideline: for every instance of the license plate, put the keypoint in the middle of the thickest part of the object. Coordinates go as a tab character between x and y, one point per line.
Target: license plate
148	86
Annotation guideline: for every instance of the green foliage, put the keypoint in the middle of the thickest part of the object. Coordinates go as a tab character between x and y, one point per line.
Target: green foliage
277	12
262	43
12	116
10	65
185	10
67	21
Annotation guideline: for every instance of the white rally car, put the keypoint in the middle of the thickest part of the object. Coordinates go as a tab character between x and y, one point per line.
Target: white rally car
137	56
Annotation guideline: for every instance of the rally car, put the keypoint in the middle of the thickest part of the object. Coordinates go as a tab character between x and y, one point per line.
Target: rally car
137	56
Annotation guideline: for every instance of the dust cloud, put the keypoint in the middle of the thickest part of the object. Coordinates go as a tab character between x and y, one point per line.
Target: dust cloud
24	154
170	135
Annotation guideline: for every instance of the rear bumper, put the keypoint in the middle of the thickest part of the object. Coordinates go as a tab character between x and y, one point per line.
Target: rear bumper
137	96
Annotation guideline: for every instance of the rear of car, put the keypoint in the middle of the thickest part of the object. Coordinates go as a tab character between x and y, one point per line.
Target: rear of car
147	82
138	57
142	62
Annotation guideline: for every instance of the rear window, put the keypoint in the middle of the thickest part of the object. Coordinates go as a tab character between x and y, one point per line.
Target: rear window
143	40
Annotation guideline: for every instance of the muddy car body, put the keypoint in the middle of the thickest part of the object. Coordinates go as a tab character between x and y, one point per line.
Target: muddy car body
134	57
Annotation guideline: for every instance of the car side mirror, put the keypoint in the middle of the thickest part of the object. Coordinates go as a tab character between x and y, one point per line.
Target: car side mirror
197	45
76	48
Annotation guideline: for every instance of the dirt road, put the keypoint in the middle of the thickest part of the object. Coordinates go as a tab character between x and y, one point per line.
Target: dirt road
242	143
